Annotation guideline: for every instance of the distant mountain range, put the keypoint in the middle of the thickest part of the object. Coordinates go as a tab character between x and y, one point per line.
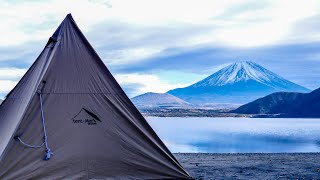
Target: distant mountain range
159	100
238	83
285	104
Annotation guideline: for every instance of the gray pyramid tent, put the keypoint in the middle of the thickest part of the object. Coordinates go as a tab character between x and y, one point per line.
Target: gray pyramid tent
68	118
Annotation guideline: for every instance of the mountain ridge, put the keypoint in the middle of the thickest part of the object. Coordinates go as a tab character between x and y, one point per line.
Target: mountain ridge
240	82
285	104
159	100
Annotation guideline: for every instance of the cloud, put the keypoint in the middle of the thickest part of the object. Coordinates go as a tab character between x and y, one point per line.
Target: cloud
120	57
136	84
196	60
306	29
142	38
11	73
295	62
7	85
42	17
142	25
9	78
120	43
266	25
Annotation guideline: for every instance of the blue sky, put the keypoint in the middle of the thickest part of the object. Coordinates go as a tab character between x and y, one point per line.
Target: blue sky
160	45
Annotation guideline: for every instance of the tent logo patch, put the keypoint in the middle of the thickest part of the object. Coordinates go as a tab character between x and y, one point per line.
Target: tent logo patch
86	117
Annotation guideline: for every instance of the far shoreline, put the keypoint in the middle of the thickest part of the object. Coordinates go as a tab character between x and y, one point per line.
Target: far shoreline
209	113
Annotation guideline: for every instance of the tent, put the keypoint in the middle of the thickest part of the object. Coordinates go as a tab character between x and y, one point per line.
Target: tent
68	118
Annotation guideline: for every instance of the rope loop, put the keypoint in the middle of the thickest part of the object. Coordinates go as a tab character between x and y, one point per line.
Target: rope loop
29	145
49	153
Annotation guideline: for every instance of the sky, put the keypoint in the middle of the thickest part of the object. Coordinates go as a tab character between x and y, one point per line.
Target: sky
158	45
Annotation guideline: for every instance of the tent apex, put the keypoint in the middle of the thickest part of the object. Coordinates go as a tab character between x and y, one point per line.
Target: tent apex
59	31
69	15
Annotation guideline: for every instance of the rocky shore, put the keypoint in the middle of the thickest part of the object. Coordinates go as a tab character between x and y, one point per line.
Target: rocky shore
251	165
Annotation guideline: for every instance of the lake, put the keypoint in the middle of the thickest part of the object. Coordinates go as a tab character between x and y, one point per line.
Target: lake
237	135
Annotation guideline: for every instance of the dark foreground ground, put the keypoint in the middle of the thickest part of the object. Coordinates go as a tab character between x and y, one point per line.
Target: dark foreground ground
251	165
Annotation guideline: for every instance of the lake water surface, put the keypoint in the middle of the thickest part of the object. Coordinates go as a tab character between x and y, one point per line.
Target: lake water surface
238	135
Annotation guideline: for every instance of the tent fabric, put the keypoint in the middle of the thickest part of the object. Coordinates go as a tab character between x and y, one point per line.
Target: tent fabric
93	129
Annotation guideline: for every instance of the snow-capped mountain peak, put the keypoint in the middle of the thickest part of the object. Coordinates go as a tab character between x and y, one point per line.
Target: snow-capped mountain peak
242	71
239	82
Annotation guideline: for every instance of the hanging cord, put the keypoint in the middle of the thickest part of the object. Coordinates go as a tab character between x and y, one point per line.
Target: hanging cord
49	153
29	145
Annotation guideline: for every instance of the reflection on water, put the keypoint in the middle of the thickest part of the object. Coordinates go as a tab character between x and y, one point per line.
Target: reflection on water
226	135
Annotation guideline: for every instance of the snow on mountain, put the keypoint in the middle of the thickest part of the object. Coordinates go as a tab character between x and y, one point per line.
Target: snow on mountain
159	100
240	82
244	71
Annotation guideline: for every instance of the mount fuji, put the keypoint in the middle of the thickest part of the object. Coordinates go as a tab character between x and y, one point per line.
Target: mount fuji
238	83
